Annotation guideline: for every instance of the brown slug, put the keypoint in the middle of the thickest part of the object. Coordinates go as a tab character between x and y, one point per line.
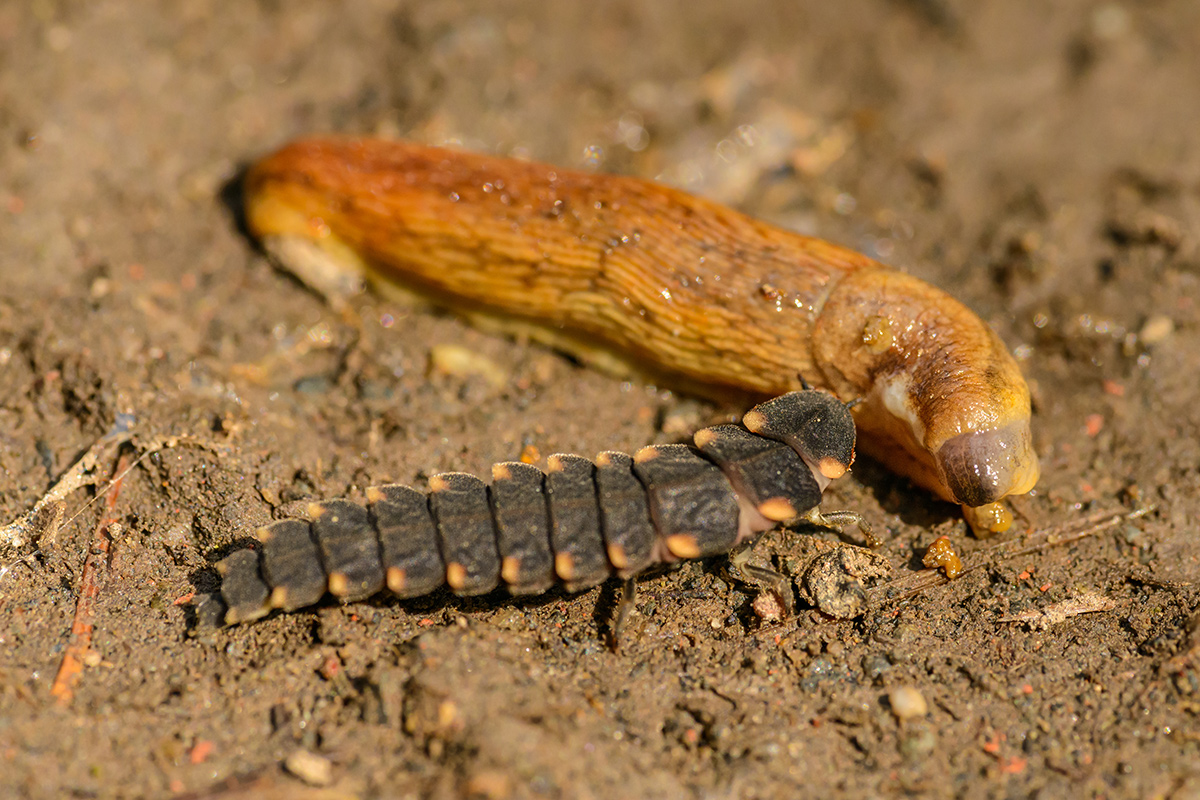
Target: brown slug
623	270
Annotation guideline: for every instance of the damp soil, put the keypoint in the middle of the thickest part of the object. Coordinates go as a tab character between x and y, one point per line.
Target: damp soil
1039	161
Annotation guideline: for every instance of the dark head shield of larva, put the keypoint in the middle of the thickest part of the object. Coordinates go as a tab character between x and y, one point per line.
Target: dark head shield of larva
816	424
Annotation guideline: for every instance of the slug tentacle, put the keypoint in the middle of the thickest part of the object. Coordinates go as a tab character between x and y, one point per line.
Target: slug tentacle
621	270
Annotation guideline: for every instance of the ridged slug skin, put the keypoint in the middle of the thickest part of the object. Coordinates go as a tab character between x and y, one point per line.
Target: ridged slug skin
705	296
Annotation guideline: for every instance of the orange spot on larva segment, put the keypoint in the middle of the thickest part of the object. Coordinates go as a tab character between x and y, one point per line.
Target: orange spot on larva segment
339	584
683	545
645	454
1093	424
395	580
278	598
831	468
510	570
564	565
777	509
456	575
617	556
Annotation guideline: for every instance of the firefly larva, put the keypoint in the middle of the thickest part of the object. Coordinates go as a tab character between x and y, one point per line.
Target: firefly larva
719	303
577	524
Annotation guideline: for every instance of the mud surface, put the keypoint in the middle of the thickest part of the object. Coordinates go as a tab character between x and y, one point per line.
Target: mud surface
1040	161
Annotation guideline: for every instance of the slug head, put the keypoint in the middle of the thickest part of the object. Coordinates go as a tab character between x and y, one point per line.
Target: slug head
980	467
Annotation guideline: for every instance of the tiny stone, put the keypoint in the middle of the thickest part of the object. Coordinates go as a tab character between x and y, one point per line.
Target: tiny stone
907	703
874	665
767	608
310	768
1156	330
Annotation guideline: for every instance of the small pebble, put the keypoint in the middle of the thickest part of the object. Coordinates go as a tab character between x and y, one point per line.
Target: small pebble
461	362
1157	329
768	608
310	768
907	703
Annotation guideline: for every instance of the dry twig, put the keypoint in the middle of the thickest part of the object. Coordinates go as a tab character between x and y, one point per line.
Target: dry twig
914	583
80	645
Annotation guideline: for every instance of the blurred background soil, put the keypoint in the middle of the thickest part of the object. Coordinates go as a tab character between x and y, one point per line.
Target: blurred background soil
1041	161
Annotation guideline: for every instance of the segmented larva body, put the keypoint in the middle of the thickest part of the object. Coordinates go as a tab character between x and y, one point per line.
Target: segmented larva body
577	524
612	267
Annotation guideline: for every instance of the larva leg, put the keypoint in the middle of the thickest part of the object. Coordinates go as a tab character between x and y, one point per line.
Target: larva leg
763	579
837	519
625	607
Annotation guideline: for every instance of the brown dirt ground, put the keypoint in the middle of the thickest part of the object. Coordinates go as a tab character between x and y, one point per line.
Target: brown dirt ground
1041	161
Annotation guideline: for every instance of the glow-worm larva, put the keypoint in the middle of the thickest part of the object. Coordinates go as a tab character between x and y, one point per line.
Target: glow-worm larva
577	524
713	300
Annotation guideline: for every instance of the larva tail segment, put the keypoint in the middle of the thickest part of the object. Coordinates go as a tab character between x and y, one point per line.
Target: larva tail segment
577	524
243	589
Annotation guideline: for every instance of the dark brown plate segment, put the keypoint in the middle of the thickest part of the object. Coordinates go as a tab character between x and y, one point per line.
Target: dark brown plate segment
468	535
579	556
242	588
291	563
522	527
768	474
349	549
693	506
408	540
629	534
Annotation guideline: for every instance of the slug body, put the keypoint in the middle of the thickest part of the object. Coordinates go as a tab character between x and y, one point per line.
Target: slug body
577	524
717	302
